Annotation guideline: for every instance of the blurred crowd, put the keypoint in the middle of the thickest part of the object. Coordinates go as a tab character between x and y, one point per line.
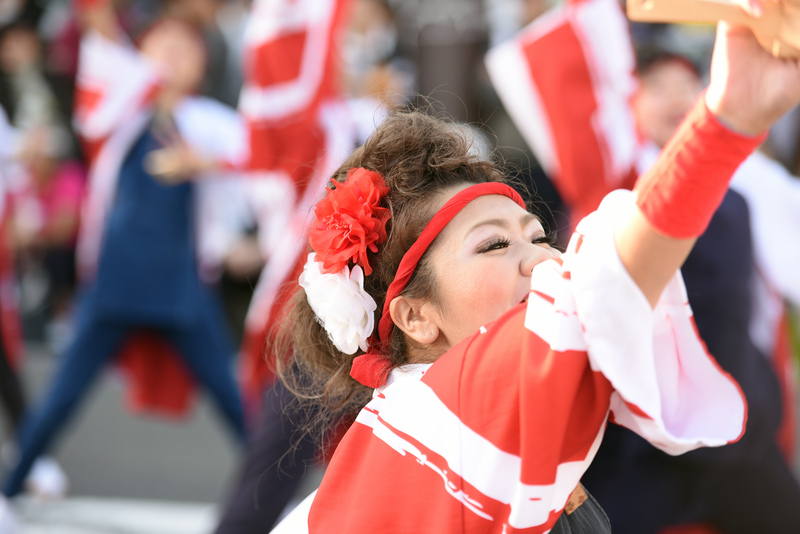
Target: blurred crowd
391	54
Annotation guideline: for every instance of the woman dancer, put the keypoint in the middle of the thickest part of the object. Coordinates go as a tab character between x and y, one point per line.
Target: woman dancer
496	363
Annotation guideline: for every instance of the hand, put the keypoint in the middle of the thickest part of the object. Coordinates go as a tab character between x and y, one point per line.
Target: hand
750	89
175	163
244	259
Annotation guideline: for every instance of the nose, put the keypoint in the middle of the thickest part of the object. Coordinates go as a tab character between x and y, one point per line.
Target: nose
533	255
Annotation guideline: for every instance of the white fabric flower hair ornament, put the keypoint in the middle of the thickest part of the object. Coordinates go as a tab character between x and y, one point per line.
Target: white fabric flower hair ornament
349	222
341	305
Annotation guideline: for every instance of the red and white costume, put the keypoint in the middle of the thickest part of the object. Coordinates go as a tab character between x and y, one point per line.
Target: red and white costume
496	434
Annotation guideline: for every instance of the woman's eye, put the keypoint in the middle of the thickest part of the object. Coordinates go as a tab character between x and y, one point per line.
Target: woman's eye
547	239
495	245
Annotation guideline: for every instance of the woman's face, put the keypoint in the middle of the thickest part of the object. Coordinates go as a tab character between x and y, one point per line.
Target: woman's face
666	93
483	262
178	52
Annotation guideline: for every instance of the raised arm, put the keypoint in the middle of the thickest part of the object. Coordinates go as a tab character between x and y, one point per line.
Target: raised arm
114	81
749	90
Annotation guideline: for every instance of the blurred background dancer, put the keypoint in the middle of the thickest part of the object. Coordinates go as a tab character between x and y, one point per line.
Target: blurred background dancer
146	247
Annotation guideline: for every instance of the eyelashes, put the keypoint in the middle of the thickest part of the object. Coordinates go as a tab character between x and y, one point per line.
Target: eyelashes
495	244
549	239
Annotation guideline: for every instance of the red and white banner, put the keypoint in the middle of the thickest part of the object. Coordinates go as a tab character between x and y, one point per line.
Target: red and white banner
291	61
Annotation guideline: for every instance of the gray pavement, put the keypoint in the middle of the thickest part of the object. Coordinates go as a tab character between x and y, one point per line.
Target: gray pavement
91	515
130	474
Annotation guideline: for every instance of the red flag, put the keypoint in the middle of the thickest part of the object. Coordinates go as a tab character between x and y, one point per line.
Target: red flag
566	81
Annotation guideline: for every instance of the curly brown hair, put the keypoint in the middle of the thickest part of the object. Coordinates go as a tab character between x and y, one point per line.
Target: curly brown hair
420	157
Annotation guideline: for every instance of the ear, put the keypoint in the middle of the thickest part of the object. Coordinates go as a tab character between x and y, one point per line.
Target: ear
416	319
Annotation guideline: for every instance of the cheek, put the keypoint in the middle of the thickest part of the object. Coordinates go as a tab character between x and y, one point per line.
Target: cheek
647	111
480	295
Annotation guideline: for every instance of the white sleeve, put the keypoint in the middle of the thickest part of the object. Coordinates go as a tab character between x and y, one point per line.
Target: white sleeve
773	197
214	130
297	520
112	84
668	389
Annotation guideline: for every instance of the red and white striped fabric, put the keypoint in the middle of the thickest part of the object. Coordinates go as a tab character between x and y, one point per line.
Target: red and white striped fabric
496	434
291	60
299	133
566	81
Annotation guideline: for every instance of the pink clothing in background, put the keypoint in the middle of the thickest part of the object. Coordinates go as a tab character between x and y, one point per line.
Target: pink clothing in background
37	206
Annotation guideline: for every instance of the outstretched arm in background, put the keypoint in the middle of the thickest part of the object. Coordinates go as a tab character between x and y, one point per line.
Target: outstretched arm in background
99	16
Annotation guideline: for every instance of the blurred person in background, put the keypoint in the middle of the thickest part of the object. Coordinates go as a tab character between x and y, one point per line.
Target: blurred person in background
30	108
33	96
735	277
38	101
378	79
147	248
445	40
46	478
45	213
243	262
300	130
11	392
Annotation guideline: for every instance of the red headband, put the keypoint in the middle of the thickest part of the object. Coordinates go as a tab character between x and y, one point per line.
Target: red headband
372	368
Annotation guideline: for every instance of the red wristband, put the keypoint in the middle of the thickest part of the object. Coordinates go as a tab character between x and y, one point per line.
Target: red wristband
88	4
684	188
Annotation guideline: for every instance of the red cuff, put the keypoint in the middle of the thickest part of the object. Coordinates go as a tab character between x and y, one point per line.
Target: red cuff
88	4
684	188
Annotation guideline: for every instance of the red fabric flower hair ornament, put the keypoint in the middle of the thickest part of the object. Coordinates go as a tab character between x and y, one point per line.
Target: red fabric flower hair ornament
349	221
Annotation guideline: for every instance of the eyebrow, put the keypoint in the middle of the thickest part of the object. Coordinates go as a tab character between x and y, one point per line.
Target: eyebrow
524	221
